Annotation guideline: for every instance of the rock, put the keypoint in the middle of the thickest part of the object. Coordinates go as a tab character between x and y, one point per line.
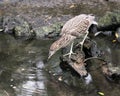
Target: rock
20	28
23	29
8	24
50	31
17	26
110	18
110	21
115	70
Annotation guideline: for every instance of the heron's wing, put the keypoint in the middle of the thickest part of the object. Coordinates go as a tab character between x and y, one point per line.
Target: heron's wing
78	28
71	24
62	42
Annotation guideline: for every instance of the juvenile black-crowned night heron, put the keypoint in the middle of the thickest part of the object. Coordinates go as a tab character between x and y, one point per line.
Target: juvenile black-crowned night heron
76	27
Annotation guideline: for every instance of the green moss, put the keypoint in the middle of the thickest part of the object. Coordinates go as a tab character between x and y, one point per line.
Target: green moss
110	18
45	30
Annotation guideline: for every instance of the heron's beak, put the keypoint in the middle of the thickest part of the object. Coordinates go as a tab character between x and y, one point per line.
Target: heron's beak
50	54
96	34
49	57
94	22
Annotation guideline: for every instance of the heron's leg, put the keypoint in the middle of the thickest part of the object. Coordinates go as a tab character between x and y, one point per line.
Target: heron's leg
71	51
81	43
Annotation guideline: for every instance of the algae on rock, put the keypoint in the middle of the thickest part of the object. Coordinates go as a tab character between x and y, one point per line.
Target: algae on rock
110	18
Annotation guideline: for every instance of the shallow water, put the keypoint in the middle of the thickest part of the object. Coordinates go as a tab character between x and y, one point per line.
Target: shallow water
23	71
22	68
110	53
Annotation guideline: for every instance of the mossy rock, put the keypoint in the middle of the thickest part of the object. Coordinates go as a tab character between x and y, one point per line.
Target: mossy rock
16	25
49	31
110	18
23	29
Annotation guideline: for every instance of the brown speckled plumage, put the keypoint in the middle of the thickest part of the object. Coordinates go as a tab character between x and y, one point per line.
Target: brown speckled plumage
62	42
77	25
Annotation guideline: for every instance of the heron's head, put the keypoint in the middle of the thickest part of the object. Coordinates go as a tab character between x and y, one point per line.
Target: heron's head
53	48
91	18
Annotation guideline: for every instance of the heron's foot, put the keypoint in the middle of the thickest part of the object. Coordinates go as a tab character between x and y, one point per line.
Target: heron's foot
81	43
88	79
69	54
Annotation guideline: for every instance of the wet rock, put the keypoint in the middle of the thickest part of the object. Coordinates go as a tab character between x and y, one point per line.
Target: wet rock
50	31
17	26
8	24
110	21
110	18
23	29
20	28
115	70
